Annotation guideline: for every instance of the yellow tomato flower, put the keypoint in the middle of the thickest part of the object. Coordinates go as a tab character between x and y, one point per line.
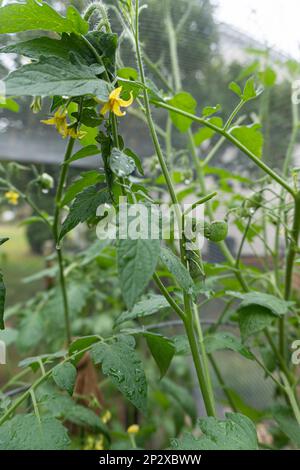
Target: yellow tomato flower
133	429
115	103
99	443
89	443
106	417
59	120
74	133
12	197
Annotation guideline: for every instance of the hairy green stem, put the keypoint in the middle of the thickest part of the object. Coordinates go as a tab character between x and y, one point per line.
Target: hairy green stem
61	183
290	257
207	397
204	355
290	262
239	254
168	297
292	398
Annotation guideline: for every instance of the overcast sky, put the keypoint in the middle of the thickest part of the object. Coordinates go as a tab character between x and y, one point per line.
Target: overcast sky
274	22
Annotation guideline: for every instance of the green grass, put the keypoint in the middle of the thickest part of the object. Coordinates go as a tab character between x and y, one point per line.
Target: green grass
17	262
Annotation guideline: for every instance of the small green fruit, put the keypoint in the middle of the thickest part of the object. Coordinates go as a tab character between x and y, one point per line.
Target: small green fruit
46	181
217	231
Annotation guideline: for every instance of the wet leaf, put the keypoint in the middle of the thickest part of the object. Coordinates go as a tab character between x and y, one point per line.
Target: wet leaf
121	364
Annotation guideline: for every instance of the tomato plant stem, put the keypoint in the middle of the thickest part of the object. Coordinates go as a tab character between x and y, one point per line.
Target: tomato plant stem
207	397
168	297
290	262
60	259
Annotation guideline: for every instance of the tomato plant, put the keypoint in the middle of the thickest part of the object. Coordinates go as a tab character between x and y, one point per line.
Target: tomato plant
93	331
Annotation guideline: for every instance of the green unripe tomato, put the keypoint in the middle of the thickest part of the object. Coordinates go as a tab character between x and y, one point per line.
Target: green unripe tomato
217	231
46	182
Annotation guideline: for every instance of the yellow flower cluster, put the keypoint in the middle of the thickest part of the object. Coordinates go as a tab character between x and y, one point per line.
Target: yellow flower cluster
93	443
106	417
97	443
59	120
12	197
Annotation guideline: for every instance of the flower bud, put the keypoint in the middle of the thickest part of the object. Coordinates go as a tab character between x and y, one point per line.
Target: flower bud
46	181
36	105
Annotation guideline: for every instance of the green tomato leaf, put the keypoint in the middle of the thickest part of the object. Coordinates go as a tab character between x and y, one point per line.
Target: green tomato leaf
145	307
64	375
55	76
224	340
48	47
84	206
287	424
120	362
235	88
88	151
31	331
162	350
250	137
25	432
34	15
236	432
81	344
82	416
249	92
182	345
178	270
128	73
137	261
185	102
106	45
205	133
276	305
136	159
9	104
181	396
253	319
251	69
268	77
210	110
243	407
34	362
88	178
